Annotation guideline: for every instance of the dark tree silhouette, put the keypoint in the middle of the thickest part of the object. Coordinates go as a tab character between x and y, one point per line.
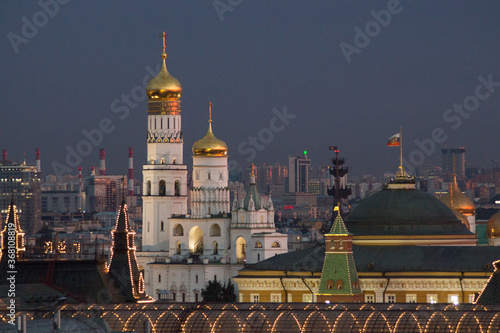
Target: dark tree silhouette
216	292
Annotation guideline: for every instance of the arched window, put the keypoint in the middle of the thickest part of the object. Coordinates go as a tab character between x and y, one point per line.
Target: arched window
197	175
178	247
340	284
258	256
162	226
329	284
262	219
177	188
215	230
148	187
241	251
332	244
221	176
258	245
178	230
341	245
208	177
196	240
216	248
163	188
276	244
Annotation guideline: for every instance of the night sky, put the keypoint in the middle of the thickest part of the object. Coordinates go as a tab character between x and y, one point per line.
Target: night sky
331	72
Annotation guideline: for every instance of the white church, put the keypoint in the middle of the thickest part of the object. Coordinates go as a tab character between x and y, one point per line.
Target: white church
186	245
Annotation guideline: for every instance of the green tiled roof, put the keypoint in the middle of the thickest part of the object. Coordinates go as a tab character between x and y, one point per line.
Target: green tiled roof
339	267
338	226
403	212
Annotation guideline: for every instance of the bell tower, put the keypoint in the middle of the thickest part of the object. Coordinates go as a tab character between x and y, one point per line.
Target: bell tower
164	174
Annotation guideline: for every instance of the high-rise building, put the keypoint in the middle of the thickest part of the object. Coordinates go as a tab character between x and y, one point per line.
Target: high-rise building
21	182
454	159
105	193
298	174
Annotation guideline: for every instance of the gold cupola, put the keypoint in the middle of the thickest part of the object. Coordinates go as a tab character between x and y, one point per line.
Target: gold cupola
164	87
210	145
455	199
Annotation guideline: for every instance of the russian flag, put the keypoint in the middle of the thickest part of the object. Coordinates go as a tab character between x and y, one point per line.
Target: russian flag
394	140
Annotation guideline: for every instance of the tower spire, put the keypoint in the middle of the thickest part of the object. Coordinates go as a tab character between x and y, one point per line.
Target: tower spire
164	54
210	112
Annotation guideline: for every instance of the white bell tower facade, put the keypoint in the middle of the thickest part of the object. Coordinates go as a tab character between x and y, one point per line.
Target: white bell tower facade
164	174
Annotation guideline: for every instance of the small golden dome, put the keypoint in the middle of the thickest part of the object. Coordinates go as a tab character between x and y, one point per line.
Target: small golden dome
493	227
461	217
210	145
164	86
455	199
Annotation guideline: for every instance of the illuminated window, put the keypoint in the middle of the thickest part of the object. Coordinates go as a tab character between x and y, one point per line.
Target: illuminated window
432	298
275	298
341	245
307	298
411	298
453	299
390	298
276	245
369	298
472	298
241	298
258	245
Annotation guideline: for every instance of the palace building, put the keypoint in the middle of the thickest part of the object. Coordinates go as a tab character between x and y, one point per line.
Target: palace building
407	247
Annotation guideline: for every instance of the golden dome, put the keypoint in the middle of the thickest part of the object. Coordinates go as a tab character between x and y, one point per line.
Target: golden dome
455	199
210	145
493	227
164	86
461	217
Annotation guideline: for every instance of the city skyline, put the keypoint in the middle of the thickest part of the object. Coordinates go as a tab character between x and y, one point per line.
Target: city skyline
286	75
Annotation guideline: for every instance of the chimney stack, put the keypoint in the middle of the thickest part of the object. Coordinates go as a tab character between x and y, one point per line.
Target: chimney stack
102	165
130	171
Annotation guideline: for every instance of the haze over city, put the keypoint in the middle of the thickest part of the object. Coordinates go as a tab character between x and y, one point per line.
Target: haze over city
328	73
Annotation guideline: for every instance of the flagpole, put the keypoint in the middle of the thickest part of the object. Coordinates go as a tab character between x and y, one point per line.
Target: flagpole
401	149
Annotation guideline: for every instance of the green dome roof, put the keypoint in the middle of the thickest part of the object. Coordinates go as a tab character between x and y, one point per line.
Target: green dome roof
403	212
